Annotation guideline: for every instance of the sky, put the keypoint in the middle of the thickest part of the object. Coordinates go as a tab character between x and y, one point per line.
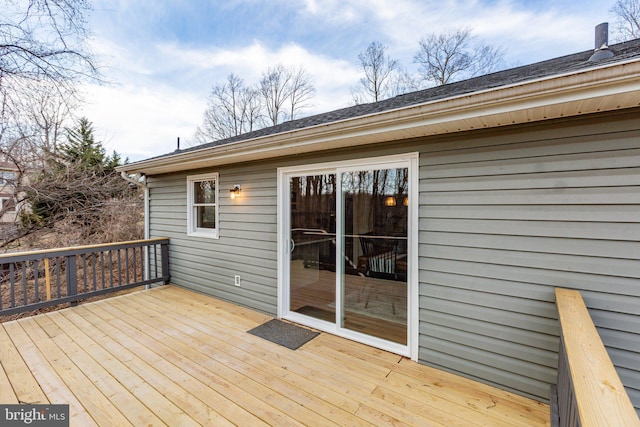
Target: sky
161	58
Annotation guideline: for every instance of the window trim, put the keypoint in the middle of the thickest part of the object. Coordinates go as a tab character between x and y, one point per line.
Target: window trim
192	229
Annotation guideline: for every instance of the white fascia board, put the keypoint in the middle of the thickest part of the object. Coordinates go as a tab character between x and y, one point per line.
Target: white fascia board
607	88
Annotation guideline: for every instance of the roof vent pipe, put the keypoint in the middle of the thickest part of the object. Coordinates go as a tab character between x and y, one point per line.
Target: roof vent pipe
602	43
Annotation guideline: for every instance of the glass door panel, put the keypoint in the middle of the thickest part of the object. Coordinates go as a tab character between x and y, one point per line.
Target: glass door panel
312	265
374	243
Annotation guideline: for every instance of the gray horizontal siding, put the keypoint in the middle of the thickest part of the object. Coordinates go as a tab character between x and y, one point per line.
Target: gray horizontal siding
507	217
504	218
247	236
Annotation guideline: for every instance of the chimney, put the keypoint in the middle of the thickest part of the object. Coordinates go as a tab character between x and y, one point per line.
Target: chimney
601	50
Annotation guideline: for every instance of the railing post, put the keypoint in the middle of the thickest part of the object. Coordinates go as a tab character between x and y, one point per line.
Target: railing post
164	248
72	276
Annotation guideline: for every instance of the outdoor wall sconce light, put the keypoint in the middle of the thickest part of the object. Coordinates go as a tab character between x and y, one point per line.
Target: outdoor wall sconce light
234	192
405	202
390	201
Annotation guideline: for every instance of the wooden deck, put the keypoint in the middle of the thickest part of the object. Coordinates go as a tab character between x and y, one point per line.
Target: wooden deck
172	357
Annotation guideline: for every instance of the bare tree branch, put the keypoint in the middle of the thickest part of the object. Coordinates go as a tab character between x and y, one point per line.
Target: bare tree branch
275	89
44	40
301	92
378	69
76	197
451	56
627	24
232	109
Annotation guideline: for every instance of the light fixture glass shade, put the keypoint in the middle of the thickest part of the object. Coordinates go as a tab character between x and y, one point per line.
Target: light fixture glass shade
234	192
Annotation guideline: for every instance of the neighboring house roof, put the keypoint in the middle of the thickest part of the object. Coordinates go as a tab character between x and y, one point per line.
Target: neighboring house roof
562	87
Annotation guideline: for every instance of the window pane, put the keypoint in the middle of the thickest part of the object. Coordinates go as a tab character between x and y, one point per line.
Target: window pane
206	216
204	191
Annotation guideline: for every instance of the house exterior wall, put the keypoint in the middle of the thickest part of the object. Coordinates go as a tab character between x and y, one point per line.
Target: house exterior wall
247	242
505	217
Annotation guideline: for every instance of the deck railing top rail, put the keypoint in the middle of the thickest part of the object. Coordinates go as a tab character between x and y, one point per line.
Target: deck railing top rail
75	250
33	280
594	388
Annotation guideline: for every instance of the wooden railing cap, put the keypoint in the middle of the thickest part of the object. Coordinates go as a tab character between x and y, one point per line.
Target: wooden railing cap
599	393
80	248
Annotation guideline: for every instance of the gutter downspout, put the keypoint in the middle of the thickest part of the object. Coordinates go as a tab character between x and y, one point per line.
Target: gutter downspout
140	180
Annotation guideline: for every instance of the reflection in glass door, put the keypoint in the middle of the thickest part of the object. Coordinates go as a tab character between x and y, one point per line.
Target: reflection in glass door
347	244
312	265
374	228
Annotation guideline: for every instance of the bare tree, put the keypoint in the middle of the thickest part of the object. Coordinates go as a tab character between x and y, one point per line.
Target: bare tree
378	69
32	123
42	58
451	56
627	24
43	40
36	114
232	109
404	82
301	91
281	87
275	89
252	112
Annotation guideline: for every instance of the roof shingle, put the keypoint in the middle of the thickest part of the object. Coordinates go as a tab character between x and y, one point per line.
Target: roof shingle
569	63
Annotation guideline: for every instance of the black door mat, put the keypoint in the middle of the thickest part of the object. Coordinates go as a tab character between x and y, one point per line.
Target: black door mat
284	333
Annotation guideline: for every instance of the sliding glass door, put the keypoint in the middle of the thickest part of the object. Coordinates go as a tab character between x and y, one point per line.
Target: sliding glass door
312	246
347	250
374	228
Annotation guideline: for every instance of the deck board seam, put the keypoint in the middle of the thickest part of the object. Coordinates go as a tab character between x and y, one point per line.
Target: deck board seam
202	342
143	385
158	376
26	389
184	356
64	366
328	361
119	396
190	358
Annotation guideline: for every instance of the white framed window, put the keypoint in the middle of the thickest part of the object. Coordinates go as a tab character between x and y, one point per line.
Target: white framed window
202	205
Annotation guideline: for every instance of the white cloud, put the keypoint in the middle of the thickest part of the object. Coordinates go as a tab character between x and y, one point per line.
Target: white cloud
537	30
162	85
140	122
142	116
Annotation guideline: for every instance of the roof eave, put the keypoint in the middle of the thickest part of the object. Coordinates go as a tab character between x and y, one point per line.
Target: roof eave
608	88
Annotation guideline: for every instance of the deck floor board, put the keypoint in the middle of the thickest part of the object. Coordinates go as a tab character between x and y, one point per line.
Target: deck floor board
23	383
168	356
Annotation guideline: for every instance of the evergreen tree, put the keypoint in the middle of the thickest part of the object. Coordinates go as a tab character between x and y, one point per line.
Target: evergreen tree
83	151
76	184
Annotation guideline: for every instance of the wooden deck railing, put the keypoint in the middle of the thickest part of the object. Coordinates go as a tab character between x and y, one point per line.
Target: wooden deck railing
33	280
589	391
